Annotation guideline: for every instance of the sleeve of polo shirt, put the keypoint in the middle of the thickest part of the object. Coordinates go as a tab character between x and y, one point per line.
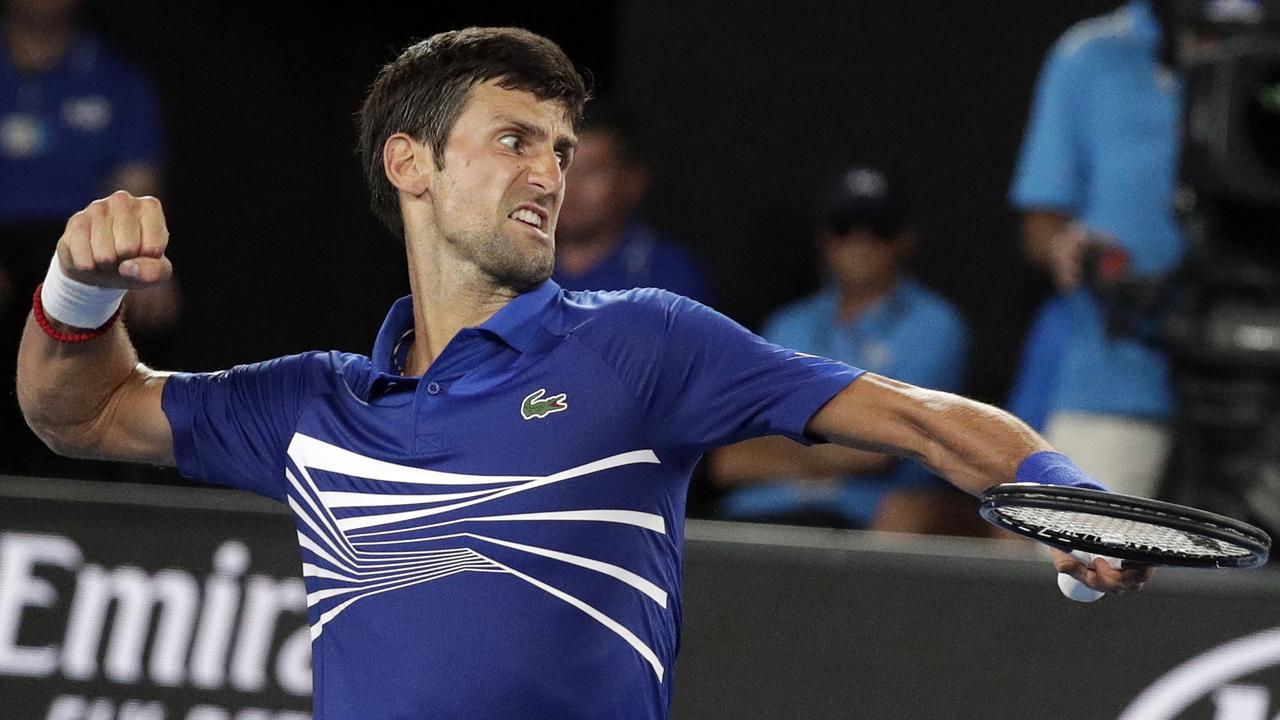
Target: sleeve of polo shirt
1051	165
233	427
718	383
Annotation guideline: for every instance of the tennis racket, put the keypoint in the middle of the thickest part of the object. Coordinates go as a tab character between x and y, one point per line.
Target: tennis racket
1122	528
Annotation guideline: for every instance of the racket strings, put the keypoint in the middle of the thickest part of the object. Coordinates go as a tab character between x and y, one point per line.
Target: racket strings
1122	532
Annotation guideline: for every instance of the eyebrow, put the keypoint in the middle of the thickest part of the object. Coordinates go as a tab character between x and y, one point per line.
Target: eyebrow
564	142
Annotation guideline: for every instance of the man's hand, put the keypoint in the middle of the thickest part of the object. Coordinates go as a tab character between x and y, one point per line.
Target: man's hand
1066	256
1100	575
118	241
1056	242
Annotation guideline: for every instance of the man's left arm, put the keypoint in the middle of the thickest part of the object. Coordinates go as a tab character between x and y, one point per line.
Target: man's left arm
971	444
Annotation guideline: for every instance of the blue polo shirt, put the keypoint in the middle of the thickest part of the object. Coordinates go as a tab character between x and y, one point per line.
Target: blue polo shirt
643	258
1102	146
64	133
911	334
501	537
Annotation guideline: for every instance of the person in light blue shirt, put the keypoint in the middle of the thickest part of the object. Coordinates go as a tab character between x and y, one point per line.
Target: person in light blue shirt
1099	163
605	241
873	315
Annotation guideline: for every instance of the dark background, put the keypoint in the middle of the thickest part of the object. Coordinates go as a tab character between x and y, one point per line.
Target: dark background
745	108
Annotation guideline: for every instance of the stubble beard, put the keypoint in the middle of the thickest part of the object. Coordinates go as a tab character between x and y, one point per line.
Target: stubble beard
506	265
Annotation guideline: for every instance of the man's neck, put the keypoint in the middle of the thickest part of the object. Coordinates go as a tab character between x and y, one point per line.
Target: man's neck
448	295
855	300
37	47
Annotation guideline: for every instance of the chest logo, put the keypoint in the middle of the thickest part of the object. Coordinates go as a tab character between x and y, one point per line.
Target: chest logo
536	406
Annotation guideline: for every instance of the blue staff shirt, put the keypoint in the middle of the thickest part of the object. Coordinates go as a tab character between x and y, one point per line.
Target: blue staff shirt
1102	146
911	334
501	537
64	133
643	258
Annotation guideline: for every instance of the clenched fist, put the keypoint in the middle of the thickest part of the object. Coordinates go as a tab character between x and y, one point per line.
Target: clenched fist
118	241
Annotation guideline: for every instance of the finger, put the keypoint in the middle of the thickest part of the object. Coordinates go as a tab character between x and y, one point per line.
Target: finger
146	270
74	250
1109	579
101	244
126	232
155	233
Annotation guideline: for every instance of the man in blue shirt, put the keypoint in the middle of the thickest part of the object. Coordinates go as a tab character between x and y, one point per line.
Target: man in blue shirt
488	508
1099	160
604	241
872	315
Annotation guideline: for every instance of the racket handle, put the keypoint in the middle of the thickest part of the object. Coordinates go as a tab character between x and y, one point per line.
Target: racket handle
1076	590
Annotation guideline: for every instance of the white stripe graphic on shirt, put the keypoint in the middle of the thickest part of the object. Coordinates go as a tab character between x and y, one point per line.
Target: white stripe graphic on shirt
346	557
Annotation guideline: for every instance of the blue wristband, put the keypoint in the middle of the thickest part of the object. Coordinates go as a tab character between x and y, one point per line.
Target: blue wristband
1054	468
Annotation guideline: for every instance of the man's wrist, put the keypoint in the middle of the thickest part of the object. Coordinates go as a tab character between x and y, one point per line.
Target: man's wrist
75	304
1053	468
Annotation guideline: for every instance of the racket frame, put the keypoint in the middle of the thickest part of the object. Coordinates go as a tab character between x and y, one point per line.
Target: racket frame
1126	507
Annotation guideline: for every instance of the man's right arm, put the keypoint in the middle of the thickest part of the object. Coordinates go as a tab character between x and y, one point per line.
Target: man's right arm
94	399
1055	241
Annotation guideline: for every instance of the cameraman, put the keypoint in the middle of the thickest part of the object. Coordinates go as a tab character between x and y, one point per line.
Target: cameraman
1099	165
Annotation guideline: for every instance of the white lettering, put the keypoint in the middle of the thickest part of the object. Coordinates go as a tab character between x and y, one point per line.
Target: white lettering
20	588
264	601
135	593
67	707
139	710
217	617
102	709
293	664
1241	702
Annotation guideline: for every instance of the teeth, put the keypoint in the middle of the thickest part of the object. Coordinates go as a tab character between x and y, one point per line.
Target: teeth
527	216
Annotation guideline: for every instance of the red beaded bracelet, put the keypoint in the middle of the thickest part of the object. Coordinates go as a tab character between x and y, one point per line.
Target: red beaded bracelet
37	309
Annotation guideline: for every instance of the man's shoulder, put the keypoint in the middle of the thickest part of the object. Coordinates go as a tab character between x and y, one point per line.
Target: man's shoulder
1092	40
315	369
611	308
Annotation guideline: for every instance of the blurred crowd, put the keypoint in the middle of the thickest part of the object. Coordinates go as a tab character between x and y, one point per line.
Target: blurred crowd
1096	173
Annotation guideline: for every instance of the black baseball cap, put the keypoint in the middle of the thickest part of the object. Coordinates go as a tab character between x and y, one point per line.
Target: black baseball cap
862	196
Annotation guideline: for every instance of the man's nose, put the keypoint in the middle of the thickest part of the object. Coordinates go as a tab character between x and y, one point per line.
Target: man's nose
545	172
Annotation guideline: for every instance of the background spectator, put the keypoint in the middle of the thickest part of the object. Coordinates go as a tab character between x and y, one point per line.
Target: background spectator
1099	163
76	123
876	317
603	239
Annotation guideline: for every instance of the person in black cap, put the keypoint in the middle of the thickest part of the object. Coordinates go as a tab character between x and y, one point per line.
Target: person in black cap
871	314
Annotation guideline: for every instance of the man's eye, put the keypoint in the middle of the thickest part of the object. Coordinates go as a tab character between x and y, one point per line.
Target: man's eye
562	158
511	141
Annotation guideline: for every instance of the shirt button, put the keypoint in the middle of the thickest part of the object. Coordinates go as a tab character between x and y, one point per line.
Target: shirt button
434	388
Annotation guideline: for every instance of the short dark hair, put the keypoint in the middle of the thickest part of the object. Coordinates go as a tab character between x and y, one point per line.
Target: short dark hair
424	90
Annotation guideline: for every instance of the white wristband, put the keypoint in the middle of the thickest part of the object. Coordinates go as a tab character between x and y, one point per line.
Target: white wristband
77	304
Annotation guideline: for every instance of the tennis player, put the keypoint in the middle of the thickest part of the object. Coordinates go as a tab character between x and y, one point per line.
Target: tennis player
489	508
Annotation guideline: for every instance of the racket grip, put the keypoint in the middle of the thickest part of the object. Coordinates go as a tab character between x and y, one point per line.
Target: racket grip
1076	590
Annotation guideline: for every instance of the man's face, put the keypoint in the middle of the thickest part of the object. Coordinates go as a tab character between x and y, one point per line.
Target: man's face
861	259
498	197
604	190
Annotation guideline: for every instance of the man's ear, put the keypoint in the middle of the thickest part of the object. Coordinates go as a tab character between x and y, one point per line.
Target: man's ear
408	164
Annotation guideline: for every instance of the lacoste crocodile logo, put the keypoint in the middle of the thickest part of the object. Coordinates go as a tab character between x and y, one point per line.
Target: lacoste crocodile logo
535	406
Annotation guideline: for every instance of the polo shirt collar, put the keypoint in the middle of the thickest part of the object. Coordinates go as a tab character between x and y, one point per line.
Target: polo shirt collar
516	324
